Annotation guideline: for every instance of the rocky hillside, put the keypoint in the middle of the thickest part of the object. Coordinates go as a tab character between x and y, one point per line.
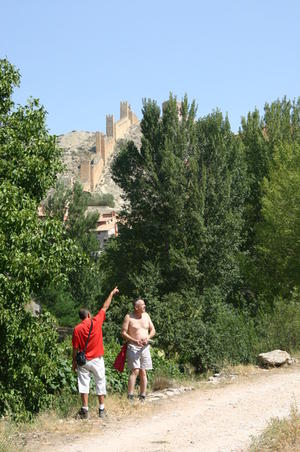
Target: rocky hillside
79	146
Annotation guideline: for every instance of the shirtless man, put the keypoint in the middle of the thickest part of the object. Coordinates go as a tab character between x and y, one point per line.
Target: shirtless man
138	329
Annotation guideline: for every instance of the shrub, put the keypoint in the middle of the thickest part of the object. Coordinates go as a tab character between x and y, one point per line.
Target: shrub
279	327
31	367
203	330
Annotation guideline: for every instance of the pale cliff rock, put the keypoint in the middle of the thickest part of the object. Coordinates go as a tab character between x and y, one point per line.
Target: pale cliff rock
77	146
80	145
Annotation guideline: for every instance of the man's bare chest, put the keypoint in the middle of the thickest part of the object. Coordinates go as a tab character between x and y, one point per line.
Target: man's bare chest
138	324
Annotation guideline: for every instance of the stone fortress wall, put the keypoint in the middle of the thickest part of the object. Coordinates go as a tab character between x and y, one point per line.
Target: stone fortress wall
91	170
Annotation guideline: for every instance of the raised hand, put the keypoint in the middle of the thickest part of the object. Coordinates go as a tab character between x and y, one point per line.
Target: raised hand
115	291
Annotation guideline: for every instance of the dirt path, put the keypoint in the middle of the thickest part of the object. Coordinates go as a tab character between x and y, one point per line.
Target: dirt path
216	419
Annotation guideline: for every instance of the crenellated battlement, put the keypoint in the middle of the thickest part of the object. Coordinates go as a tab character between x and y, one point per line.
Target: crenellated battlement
91	170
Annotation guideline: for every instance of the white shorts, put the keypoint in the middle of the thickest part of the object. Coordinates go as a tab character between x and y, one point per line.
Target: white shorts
139	357
96	368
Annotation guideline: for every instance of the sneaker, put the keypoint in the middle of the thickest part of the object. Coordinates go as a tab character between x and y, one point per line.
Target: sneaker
142	398
130	397
102	413
82	414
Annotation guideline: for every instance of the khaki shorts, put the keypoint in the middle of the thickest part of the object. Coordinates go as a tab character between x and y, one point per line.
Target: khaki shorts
96	368
139	357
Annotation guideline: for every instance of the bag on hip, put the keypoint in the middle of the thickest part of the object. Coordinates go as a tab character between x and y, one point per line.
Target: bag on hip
80	357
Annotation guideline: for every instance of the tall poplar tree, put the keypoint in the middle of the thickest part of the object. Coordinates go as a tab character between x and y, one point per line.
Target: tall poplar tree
260	136
184	192
271	145
180	231
278	243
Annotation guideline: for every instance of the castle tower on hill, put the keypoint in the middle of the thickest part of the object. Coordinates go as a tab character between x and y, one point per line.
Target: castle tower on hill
124	110
109	125
91	170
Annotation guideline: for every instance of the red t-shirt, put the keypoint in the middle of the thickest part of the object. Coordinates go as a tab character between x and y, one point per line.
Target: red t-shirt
81	331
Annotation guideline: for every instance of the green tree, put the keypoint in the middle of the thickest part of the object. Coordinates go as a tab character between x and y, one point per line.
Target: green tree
69	206
185	190
260	136
263	137
154	182
224	186
32	252
181	229
278	243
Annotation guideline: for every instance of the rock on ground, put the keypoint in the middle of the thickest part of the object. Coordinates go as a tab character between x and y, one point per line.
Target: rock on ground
275	358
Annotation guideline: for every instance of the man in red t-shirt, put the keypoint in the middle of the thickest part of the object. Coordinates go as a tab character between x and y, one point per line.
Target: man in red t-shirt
94	355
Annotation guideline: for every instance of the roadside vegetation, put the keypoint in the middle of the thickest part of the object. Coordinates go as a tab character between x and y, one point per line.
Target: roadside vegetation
209	237
281	435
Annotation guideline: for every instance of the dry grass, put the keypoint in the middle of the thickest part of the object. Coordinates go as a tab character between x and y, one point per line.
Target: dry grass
242	370
295	354
7	443
161	382
281	435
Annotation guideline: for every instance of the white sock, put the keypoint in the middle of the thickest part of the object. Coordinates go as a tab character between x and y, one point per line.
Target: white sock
101	406
86	408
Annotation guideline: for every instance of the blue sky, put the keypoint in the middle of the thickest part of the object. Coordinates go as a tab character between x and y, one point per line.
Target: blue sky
81	57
